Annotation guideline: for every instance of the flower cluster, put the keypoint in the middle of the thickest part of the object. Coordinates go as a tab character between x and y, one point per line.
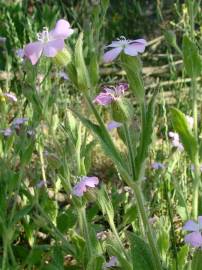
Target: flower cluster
157	165
48	43
176	140
194	238
129	47
110	94
15	125
84	183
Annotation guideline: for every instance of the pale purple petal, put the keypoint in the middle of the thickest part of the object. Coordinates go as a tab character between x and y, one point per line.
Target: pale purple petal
19	121
191	226
135	46
63	75
153	220
112	262
11	96
20	53
157	165
131	50
62	30
7	132
194	239
51	48
171	134
33	51
174	135
140	41
103	99
91	181
111	54
190	121
79	189
115	44
85	181
120	89
113	124
200	222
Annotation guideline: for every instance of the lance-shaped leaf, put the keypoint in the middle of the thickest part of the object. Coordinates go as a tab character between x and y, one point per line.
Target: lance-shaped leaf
133	68
146	136
140	253
83	81
186	135
95	263
107	145
114	249
197	260
191	58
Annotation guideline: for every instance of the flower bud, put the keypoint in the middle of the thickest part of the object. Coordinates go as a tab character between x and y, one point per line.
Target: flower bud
122	110
62	58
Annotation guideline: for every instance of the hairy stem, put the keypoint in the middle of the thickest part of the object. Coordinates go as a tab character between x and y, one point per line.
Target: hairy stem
147	227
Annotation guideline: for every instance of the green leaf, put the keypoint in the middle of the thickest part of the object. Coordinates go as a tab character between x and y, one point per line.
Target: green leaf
122	110
83	81
106	144
197	260
72	73
115	251
66	220
191	58
26	154
94	69
146	136
163	242
105	203
186	135
131	213
95	263
58	258
182	256
51	208
34	257
133	68
140	253
23	212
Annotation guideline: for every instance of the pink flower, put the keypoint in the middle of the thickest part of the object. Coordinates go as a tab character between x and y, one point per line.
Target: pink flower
49	43
11	96
17	122
7	132
110	94
130	47
194	238
63	75
113	124
85	182
176	140
157	165
20	53
190	121
111	263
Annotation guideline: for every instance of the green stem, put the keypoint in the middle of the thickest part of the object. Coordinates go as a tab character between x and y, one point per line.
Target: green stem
55	229
148	230
120	164
12	256
84	227
170	215
122	249
5	253
130	150
43	171
47	73
196	182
